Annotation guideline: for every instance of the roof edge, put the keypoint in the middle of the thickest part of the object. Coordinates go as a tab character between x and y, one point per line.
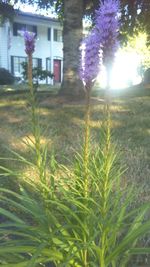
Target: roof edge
34	15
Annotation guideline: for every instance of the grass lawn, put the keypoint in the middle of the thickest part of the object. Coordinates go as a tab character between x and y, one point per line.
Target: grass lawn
62	122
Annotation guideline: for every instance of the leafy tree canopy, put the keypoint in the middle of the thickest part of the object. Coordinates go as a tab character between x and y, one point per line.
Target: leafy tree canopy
6	12
134	13
135	16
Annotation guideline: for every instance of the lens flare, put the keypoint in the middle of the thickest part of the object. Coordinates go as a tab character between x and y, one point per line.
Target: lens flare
124	72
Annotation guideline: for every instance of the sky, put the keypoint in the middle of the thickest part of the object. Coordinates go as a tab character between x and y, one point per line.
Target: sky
35	9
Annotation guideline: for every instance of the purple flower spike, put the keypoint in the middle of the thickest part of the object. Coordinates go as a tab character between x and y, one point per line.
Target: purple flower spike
90	59
29	38
107	26
102	43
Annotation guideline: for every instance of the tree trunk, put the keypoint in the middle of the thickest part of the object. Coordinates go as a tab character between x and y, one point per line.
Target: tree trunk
72	35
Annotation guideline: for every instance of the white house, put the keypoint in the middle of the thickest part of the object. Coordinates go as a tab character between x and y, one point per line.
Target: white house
49	47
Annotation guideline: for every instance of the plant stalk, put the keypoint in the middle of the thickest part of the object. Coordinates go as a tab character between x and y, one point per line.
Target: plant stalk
107	109
30	73
86	140
105	185
35	121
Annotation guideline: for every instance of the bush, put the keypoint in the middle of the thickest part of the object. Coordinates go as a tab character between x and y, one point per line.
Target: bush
38	74
146	78
6	77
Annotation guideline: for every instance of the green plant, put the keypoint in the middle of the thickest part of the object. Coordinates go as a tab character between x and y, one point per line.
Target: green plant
146	78
38	74
6	77
78	217
71	217
55	221
6	12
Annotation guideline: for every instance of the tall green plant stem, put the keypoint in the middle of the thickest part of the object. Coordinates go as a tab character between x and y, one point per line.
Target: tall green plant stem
35	121
107	107
86	139
86	161
30	73
106	178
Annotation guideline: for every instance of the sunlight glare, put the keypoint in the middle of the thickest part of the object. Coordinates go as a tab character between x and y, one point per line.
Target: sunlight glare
124	72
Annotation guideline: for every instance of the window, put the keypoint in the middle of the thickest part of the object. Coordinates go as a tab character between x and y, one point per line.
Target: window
48	63
37	62
16	64
16	67
19	27
49	34
57	35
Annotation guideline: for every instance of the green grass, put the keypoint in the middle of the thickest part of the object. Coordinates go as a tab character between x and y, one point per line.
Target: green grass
21	88
63	122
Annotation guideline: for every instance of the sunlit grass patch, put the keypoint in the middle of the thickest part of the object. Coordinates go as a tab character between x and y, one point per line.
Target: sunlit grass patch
63	123
62	129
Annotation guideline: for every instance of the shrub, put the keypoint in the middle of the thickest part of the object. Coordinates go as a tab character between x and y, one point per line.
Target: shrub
38	74
146	78
6	77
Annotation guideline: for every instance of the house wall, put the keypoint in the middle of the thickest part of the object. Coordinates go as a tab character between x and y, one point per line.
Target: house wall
11	45
4	46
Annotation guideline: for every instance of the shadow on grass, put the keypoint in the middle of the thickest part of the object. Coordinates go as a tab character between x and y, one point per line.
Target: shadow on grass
63	124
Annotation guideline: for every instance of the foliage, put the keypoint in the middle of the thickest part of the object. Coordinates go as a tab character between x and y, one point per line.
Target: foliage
6	77
133	13
134	17
6	12
138	44
72	217
146	78
38	73
58	219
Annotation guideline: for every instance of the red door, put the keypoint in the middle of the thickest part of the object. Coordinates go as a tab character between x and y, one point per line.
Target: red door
57	70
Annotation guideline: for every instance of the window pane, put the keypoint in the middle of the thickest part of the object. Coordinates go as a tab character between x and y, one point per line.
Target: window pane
48	64
55	35
15	29
31	28
17	65
21	60
19	27
37	62
35	30
49	34
59	36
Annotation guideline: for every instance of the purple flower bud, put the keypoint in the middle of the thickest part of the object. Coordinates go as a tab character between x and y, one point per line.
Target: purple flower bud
90	59
29	38
107	26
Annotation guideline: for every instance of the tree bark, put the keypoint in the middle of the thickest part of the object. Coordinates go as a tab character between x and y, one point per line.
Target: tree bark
72	36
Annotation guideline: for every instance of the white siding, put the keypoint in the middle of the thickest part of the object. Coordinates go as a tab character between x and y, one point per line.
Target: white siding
4	56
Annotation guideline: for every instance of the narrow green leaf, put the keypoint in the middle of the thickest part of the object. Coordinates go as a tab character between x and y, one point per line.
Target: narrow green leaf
139	251
10	216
